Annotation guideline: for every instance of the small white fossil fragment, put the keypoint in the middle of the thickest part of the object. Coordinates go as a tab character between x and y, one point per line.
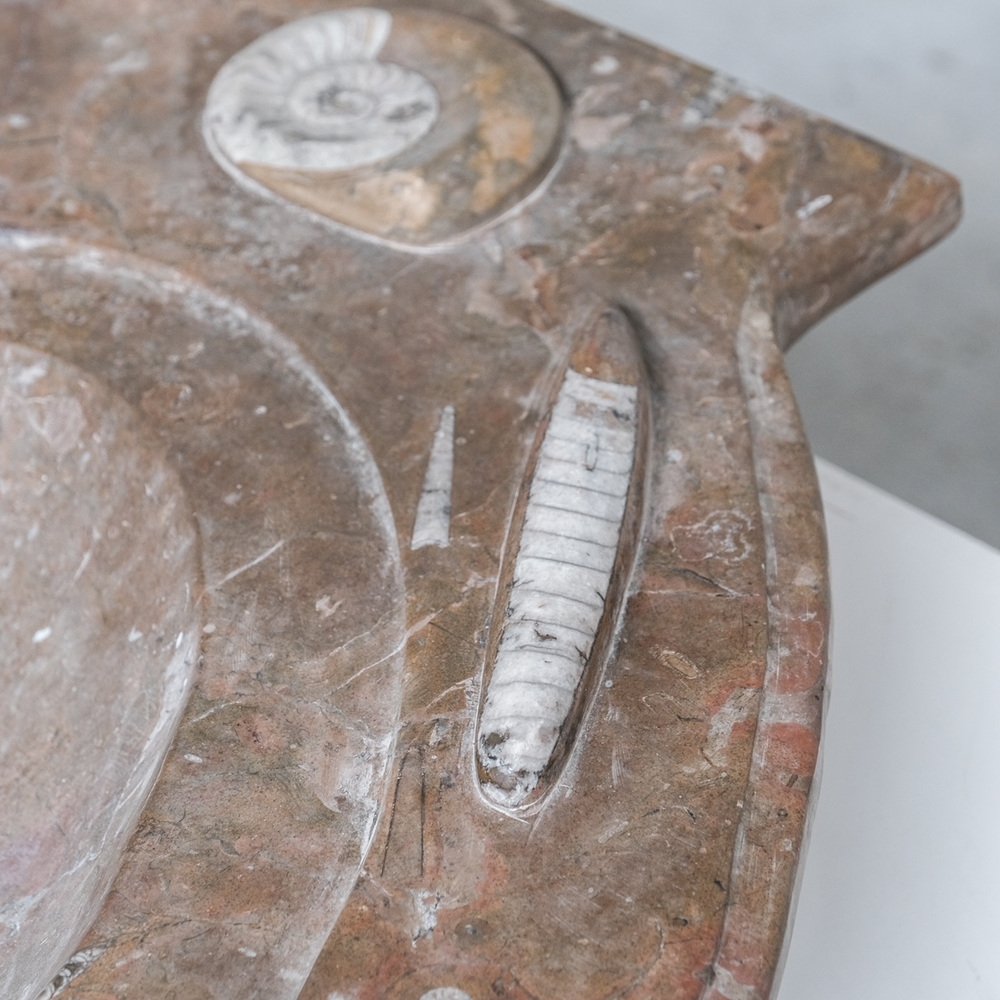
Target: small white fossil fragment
432	525
75	966
816	205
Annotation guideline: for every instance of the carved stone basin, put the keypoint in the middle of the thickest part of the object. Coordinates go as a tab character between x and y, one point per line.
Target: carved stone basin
461	324
121	573
98	642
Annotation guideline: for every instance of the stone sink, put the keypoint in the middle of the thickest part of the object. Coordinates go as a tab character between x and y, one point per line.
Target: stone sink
414	582
137	554
98	644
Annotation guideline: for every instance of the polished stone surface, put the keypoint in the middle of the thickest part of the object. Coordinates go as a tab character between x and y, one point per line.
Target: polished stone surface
320	827
98	645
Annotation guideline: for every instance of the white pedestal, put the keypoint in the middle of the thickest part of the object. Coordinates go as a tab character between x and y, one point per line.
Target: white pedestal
900	894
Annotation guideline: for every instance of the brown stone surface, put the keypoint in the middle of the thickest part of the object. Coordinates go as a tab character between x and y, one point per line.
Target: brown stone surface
318	828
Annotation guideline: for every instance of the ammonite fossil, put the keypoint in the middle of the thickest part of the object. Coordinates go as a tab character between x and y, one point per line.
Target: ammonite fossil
312	95
414	126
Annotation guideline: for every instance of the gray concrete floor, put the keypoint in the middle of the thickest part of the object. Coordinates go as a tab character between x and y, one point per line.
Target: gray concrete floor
901	385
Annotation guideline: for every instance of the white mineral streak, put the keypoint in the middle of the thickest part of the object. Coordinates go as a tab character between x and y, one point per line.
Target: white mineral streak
569	543
432	525
816	205
311	95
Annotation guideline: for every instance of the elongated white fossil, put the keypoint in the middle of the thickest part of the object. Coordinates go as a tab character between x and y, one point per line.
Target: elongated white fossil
312	95
561	592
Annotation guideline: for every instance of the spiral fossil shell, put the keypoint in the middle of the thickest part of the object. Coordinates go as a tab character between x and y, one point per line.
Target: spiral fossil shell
313	96
414	127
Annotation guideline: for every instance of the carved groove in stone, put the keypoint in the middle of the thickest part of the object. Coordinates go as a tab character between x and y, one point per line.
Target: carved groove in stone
312	96
557	611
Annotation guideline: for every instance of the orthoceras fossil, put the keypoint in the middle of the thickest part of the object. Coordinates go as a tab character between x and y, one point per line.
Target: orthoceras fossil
568	560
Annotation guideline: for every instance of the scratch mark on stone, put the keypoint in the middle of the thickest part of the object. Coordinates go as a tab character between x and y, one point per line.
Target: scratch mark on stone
395	651
84	563
239	571
211	711
465	686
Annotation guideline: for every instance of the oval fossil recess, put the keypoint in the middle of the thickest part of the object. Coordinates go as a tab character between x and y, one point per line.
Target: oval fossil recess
567	566
411	126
